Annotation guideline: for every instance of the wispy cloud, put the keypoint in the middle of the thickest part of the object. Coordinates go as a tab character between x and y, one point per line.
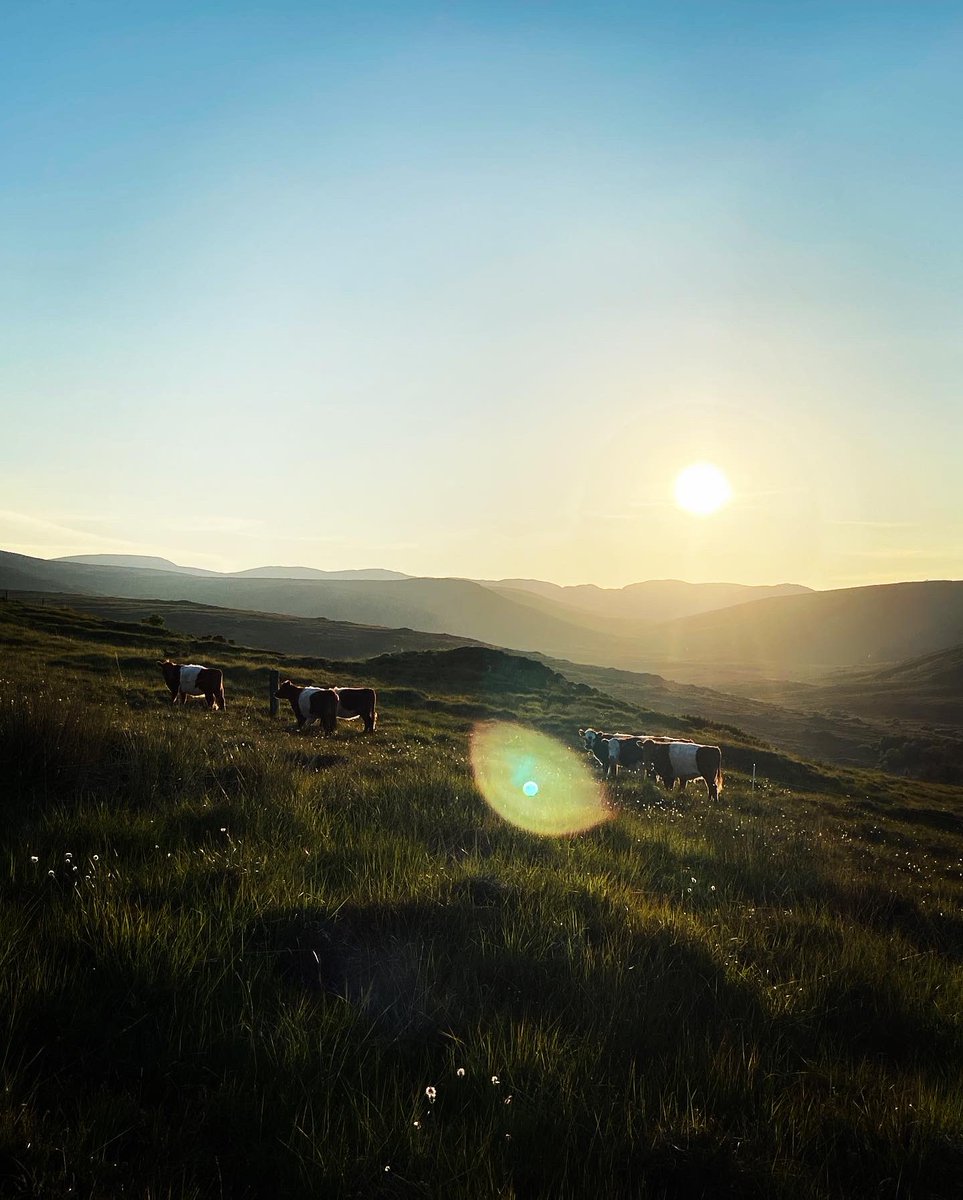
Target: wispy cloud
15	527
911	554
875	524
251	526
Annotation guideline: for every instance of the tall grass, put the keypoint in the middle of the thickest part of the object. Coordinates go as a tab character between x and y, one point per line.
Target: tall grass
240	962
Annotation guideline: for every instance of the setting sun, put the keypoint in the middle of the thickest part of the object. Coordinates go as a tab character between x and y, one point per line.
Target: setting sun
702	489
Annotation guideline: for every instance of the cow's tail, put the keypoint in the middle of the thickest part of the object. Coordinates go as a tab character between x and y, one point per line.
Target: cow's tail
719	779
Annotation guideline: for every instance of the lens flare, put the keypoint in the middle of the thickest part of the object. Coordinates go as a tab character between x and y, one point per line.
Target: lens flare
535	782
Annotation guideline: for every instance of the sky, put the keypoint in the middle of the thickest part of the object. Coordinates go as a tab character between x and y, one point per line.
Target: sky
460	288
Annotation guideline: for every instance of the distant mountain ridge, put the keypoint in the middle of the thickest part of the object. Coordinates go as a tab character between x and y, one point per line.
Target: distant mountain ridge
652	600
143	562
779	637
150	563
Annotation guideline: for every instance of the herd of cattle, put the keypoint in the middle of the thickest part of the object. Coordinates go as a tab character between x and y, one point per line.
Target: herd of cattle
309	704
667	759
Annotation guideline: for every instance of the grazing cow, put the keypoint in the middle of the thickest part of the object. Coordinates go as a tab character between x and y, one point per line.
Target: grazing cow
193	680
670	761
311	704
327	704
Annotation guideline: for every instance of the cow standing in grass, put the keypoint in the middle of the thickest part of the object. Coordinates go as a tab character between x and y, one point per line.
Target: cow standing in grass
312	704
191	679
670	761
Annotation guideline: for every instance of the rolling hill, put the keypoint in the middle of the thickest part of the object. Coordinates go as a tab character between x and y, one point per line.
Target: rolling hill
454	606
799	636
301	637
148	562
145	562
653	600
816	632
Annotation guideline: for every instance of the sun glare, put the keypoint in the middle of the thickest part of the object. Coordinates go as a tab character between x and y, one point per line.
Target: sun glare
702	489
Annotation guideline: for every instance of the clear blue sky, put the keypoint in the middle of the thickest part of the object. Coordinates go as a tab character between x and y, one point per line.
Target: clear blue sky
461	288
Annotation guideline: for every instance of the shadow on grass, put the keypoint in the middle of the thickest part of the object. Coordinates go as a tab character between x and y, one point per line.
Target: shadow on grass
302	761
425	968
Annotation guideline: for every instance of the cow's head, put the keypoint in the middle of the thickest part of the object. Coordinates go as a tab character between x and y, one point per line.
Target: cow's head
588	737
170	670
288	690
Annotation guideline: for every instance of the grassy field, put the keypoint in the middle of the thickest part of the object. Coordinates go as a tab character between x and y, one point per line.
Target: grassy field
242	962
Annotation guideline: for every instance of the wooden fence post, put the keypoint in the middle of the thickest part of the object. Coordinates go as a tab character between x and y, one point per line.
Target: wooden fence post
275	684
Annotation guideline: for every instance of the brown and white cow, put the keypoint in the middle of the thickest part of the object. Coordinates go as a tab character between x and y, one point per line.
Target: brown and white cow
311	704
327	704
670	761
191	679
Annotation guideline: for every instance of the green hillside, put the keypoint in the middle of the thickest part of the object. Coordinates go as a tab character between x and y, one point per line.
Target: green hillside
313	636
245	962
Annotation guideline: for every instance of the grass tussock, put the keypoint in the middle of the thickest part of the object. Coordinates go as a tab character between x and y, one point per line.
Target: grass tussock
242	962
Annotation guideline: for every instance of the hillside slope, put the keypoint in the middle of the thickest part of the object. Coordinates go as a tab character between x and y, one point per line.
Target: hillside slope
928	688
315	637
821	630
248	962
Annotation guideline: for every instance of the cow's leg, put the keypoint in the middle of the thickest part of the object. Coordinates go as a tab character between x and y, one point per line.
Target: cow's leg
209	697
682	782
220	697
